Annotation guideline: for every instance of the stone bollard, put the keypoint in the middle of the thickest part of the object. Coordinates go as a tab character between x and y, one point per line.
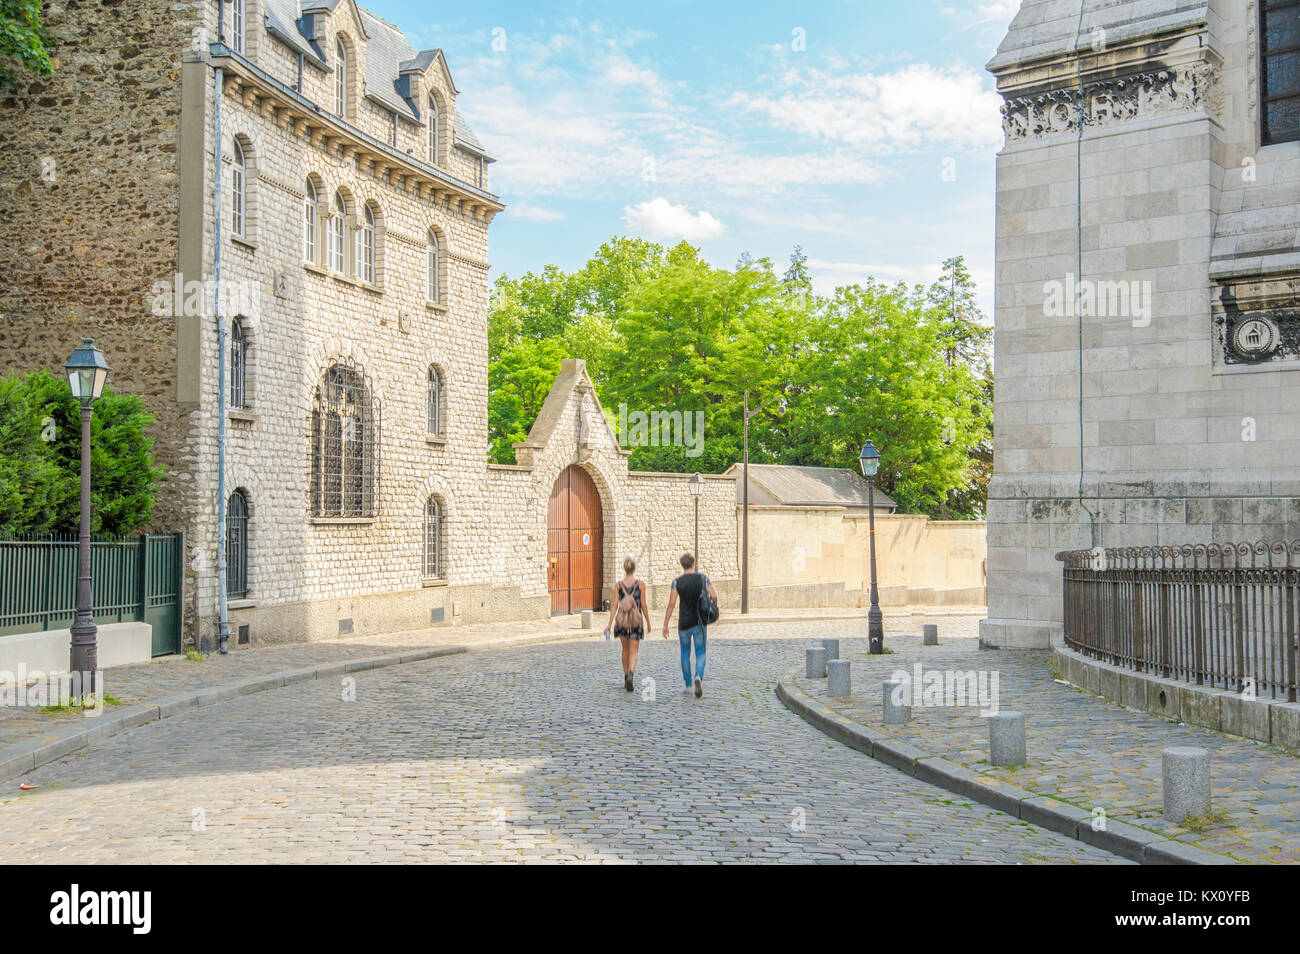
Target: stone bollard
1007	738
815	667
832	647
930	634
895	714
587	619
838	682
1185	777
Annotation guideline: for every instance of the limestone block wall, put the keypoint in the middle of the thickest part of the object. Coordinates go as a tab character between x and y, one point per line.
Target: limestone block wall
1114	423
916	559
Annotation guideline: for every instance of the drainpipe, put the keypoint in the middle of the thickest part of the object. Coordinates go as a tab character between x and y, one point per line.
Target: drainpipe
223	622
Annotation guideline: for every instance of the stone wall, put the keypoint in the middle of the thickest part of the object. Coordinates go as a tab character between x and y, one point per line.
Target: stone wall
1117	422
826	550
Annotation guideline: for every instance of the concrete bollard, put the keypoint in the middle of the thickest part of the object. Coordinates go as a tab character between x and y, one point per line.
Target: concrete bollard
815	667
838	682
1007	739
587	619
894	713
832	647
1185	776
930	634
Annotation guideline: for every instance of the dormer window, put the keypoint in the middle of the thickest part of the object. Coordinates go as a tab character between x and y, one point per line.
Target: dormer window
237	25
433	131
340	78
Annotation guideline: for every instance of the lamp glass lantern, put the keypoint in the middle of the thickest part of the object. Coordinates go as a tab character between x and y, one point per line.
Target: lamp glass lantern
696	483
869	459
87	371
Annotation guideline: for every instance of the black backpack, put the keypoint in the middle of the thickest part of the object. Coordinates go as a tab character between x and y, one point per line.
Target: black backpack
707	608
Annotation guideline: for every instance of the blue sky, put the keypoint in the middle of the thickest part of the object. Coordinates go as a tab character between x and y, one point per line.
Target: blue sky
863	130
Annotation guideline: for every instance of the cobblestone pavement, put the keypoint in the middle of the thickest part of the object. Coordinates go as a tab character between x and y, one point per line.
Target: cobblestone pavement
1086	750
143	683
518	754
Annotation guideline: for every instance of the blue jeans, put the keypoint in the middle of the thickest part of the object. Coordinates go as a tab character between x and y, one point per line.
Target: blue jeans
685	636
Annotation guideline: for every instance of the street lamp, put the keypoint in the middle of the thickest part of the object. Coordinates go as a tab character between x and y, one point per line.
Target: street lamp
696	483
869	461
87	371
744	517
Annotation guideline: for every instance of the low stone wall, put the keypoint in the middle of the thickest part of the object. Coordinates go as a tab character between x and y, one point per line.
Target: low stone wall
820	556
1264	720
49	651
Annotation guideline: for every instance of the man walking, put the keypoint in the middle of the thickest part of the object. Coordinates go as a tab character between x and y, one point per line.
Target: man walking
690	627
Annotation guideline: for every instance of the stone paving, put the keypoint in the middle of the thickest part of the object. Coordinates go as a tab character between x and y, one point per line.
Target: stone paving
530	753
1083	749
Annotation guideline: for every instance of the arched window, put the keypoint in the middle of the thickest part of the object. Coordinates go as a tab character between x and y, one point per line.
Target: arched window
237	25
340	78
435	533
237	545
366	246
345	445
238	364
337	215
433	269
433	131
238	190
435	403
311	214
1279	86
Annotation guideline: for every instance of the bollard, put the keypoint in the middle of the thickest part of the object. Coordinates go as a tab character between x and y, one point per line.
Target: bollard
1007	738
1185	777
838	682
587	619
815	667
930	634
832	647
895	713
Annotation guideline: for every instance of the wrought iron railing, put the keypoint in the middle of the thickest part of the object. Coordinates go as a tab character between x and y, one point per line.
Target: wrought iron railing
1220	615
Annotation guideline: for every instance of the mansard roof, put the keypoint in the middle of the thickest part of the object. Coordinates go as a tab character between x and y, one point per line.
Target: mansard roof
388	56
1047	29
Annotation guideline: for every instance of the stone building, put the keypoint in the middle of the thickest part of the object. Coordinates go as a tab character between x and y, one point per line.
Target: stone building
1147	320
297	168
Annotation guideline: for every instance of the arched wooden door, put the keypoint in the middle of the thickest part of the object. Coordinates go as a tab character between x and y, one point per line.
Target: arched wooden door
574	535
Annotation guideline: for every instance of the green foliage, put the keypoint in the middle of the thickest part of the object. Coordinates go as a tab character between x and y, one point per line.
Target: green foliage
40	459
663	330
23	41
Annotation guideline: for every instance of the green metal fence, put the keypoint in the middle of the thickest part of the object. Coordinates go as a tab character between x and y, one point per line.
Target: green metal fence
138	578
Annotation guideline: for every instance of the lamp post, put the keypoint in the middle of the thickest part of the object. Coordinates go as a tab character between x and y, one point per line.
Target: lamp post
744	517
87	371
869	461
696	483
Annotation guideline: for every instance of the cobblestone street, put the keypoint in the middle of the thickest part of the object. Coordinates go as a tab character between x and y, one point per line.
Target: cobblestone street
518	754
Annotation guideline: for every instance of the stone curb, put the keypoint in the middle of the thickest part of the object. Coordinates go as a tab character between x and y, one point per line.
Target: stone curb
1128	841
23	757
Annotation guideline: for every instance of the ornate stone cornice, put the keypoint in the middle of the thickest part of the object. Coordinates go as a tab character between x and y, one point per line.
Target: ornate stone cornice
1110	101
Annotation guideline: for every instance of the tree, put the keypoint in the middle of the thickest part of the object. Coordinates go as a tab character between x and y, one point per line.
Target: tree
518	383
965	329
23	41
40	459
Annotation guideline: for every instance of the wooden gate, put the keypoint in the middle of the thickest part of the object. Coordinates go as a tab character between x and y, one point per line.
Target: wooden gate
574	535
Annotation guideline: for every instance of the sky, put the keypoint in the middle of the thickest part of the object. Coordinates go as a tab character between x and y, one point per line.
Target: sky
864	131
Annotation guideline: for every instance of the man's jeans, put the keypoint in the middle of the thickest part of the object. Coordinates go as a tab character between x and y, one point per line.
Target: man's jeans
685	637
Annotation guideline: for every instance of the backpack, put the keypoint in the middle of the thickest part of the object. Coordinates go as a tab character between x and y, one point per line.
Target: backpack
708	609
628	615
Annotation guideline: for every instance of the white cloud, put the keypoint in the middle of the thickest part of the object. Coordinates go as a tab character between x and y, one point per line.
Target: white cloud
999	9
917	105
533	213
661	220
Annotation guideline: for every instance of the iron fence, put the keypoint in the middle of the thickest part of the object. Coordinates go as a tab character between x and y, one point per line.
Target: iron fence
136	578
1220	615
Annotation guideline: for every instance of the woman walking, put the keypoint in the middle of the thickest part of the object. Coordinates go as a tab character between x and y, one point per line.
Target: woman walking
627	615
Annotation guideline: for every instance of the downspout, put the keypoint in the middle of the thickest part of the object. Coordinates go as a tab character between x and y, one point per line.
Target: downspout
1078	260
223	622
